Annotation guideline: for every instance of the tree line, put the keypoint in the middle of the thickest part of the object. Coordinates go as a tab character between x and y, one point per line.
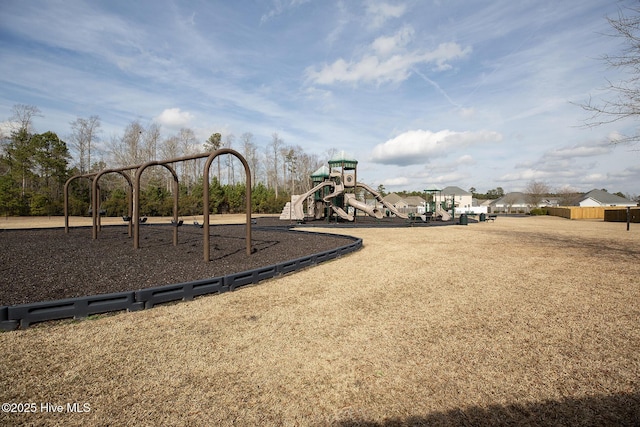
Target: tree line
34	168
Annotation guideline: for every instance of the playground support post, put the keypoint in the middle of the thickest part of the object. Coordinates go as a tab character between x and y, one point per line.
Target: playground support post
136	201
66	197
628	217
95	214
205	197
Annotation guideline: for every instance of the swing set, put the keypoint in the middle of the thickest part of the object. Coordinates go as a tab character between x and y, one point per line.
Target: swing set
133	196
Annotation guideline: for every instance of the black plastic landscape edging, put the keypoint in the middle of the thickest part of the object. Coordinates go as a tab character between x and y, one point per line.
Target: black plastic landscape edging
23	315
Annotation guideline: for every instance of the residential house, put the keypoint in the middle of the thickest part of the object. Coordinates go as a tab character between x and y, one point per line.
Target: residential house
511	203
462	199
478	206
395	200
486	205
415	204
548	202
602	198
409	204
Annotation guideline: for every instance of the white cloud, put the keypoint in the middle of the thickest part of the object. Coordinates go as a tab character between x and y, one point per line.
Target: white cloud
341	22
419	146
7	127
174	118
616	137
384	46
542	175
280	6
579	151
450	178
526	175
465	160
594	178
396	68
467	113
396	182
627	173
379	13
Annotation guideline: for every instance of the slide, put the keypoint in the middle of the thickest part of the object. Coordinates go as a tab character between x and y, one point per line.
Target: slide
379	198
297	209
337	190
446	216
341	213
369	210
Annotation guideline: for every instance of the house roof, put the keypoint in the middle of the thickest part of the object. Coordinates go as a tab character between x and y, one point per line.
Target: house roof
392	198
414	201
454	190
514	198
605	198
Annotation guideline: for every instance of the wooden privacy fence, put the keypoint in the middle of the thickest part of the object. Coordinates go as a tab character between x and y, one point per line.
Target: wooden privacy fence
591	212
620	215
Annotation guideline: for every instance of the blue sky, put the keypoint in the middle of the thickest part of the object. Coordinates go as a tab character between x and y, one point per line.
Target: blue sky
421	92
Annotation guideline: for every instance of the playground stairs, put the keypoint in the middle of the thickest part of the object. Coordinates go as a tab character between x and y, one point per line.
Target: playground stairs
287	212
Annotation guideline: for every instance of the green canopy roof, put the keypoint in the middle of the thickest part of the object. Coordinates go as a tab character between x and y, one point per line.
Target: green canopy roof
322	172
343	159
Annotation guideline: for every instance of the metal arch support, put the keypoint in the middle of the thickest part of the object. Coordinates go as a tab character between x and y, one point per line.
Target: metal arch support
136	200
205	196
95	214
66	197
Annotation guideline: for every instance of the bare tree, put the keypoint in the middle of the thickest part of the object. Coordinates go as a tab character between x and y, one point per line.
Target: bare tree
625	102
509	200
331	152
249	150
188	144
170	148
83	135
567	195
307	164
274	153
22	117
129	149
229	159
151	141
268	167
536	191
289	164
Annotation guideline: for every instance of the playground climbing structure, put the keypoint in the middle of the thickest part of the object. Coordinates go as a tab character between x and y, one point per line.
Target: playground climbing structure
334	192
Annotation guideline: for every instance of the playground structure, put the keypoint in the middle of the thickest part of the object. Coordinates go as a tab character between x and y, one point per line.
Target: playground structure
335	191
133	194
440	206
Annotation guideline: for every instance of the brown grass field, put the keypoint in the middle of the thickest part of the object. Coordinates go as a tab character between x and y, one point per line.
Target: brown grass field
525	321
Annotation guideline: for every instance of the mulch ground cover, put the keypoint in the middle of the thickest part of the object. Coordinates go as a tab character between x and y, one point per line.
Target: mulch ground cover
47	264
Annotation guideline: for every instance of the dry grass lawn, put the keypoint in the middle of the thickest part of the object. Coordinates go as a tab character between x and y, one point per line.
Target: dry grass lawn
528	321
